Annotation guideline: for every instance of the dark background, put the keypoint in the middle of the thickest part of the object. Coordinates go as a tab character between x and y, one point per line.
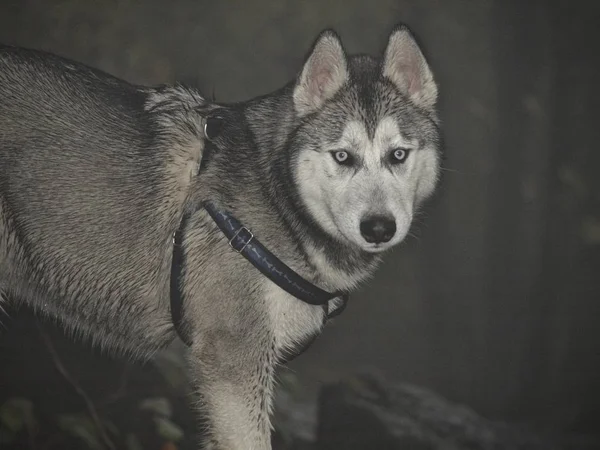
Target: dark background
496	302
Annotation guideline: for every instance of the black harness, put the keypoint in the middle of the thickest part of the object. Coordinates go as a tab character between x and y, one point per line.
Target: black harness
243	241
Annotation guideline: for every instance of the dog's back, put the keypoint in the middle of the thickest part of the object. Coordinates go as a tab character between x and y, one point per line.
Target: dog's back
88	193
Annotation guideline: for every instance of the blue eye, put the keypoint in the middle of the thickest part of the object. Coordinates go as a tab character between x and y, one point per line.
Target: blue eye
342	157
399	155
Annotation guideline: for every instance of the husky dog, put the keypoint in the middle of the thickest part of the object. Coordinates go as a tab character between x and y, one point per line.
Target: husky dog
97	174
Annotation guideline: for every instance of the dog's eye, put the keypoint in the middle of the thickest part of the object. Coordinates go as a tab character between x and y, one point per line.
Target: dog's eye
399	155
342	157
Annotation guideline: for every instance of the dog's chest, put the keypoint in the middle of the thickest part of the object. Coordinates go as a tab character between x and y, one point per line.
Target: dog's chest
292	321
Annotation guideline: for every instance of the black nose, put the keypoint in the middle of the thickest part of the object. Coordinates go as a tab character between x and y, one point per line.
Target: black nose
378	229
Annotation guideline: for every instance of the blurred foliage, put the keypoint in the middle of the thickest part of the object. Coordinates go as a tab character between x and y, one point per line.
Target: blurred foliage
83	428
19	426
16	416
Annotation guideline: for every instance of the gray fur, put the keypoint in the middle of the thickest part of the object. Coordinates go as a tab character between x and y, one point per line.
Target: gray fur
95	175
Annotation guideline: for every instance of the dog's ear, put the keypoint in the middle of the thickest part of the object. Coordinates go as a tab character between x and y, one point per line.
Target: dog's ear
405	65
324	73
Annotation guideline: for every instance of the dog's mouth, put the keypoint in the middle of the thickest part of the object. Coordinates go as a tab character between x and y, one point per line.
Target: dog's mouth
378	248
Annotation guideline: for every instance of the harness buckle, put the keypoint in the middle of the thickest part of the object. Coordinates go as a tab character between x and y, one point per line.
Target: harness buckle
241	239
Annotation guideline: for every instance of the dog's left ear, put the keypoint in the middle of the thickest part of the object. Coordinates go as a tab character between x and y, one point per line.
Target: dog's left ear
324	73
405	65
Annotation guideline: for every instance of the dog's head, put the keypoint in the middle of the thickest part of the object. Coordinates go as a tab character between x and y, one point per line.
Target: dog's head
366	152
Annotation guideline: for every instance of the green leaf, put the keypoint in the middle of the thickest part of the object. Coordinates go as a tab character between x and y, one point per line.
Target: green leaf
16	414
82	428
160	406
168	430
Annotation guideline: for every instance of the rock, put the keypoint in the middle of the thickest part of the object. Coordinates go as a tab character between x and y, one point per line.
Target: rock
364	413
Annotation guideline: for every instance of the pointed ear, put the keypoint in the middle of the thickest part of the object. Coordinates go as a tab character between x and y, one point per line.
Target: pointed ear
324	73
405	65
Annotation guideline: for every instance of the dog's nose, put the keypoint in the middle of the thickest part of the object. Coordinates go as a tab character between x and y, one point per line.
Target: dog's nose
378	229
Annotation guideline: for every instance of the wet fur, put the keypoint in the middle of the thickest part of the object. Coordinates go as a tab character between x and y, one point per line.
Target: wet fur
95	175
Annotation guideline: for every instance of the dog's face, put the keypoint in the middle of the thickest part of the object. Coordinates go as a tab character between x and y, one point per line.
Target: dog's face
366	152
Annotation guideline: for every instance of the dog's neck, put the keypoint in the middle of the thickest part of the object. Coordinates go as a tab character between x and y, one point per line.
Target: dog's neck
269	121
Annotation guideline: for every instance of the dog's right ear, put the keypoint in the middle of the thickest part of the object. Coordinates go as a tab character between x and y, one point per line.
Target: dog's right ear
324	73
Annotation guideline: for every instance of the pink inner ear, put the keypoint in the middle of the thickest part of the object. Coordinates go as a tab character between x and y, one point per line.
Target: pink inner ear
410	70
320	81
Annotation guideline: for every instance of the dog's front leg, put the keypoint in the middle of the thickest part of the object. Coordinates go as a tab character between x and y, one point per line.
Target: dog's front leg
234	379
